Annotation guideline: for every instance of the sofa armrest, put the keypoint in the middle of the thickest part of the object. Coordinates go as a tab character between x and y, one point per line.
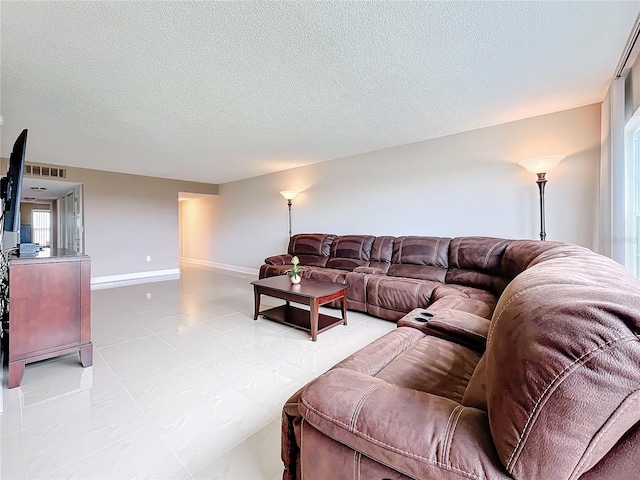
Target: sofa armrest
284	259
370	270
470	329
417	433
461	327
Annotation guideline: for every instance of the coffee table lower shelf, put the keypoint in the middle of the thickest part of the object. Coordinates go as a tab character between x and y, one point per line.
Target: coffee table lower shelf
300	318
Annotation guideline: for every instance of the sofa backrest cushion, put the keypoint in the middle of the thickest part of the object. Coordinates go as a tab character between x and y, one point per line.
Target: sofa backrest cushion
520	253
312	249
350	251
420	257
381	252
475	262
563	364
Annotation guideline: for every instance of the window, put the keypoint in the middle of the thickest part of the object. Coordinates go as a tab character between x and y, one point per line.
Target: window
634	205
41	227
631	196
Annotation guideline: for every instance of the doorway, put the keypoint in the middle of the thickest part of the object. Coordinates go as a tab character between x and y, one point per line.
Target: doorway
63	202
70	224
196	227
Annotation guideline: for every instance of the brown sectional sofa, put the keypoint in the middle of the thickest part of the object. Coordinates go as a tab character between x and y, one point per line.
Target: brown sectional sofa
390	276
547	388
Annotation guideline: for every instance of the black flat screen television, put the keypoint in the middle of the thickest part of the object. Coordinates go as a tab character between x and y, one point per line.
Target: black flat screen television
11	185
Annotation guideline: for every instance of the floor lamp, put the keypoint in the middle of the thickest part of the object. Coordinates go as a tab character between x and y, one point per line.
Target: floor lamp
289	195
541	166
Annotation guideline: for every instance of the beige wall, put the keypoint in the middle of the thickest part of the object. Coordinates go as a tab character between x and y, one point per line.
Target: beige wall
130	217
26	208
464	184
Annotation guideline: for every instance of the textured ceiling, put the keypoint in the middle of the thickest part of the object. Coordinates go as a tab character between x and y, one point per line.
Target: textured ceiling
220	91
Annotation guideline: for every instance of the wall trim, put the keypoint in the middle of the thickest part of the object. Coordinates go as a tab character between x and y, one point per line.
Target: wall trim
124	279
220	266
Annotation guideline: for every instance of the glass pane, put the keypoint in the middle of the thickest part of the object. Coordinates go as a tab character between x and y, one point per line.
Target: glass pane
636	249
636	172
40	225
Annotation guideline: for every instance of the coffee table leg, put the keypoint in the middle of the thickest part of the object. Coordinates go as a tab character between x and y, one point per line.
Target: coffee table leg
344	308
256	295
313	314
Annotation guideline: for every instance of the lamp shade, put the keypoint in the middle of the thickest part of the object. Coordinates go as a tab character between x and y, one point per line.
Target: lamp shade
289	194
541	164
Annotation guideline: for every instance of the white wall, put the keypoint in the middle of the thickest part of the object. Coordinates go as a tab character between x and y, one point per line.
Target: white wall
464	184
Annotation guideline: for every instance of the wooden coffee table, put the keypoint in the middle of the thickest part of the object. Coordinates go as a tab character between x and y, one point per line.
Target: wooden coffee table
308	292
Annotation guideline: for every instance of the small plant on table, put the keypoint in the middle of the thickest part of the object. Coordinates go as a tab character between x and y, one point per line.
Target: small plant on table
294	271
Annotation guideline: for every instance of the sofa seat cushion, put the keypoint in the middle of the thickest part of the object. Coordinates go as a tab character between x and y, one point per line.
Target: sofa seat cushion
433	365
370	270
420	272
408	358
418	434
399	294
325	274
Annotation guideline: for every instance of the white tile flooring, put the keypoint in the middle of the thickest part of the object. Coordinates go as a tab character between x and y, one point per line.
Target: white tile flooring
185	385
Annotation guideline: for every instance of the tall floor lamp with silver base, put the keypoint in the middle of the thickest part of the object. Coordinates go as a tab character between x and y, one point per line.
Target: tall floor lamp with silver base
289	195
541	166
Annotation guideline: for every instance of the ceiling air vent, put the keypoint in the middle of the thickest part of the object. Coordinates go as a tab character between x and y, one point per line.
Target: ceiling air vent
46	171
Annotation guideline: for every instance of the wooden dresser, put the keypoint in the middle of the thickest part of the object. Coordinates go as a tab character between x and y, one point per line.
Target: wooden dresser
49	309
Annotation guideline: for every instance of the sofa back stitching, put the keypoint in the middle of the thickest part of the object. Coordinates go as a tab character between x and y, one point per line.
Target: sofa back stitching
360	404
486	258
355	464
455	415
443	457
446	436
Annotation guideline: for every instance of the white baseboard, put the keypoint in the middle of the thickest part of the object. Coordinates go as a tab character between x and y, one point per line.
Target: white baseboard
253	272
122	280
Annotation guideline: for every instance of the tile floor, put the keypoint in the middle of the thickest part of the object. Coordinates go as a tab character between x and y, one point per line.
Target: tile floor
185	385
